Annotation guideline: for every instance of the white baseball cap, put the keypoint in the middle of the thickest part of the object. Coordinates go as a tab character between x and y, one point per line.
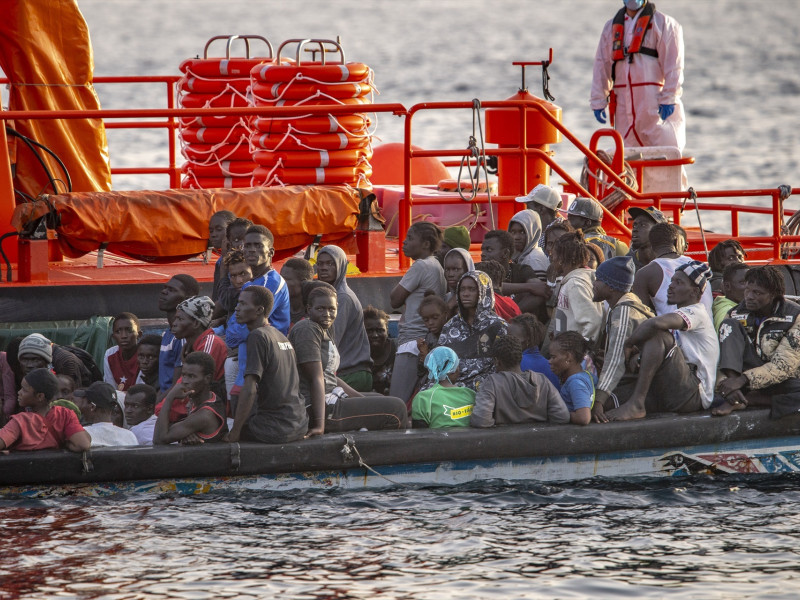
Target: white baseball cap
544	195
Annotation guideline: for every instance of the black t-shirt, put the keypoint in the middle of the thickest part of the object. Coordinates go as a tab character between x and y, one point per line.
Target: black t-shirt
280	412
519	273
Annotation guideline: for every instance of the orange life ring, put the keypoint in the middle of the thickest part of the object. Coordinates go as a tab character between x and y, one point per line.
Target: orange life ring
336	175
213	153
277	142
314	158
357	123
299	91
226	168
204	183
221	67
225	100
213	135
327	73
213	86
211	122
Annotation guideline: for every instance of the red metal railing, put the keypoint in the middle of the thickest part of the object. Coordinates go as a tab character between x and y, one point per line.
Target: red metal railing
768	246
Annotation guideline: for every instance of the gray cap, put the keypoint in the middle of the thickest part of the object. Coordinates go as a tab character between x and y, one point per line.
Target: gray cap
544	195
586	207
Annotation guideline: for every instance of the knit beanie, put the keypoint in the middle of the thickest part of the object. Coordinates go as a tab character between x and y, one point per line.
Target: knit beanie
38	345
44	382
617	273
698	272
199	308
457	237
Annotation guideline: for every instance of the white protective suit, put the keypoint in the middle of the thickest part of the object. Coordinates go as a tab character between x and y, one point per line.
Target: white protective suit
643	84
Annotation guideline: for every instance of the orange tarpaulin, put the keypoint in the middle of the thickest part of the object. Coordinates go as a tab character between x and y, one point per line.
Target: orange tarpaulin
170	225
46	54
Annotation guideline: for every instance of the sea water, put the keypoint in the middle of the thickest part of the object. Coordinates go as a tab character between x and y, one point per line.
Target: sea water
697	538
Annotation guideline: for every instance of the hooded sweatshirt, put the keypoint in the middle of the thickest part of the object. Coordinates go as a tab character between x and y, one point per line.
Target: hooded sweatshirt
349	333
467	261
531	255
507	398
575	310
474	343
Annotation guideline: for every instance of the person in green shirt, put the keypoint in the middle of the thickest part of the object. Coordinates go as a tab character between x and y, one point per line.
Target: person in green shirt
732	292
443	404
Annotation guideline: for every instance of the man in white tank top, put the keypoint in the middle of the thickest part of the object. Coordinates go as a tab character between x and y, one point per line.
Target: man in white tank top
652	280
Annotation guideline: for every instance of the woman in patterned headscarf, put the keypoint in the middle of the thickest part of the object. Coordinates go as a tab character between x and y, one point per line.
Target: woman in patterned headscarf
471	333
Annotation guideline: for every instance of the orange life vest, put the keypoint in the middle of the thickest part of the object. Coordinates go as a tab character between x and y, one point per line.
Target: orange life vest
643	23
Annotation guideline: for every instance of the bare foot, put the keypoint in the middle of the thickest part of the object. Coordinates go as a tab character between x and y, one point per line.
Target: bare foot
626	412
727	408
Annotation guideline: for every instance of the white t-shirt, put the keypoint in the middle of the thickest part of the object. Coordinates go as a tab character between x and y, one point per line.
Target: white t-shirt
108	434
144	431
700	347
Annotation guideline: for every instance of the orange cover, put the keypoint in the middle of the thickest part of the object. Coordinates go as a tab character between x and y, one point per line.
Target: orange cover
171	225
46	54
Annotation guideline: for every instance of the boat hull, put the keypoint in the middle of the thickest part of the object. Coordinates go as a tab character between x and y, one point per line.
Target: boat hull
665	445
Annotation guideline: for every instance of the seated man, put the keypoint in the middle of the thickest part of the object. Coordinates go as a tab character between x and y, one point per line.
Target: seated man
42	426
140	404
677	370
271	378
643	220
37	352
727	252
733	287
613	281
586	214
99	410
147	352
205	419
760	348
514	396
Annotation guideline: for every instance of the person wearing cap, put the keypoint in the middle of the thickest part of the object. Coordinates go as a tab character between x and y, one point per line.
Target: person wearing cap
643	221
676	354
612	284
192	324
652	280
545	202
760	348
639	68
456	236
586	214
41	425
101	407
37	352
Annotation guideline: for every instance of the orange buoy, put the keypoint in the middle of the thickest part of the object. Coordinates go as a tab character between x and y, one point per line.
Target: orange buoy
216	153
312	158
300	141
328	73
354	124
214	135
213	86
296	90
221	67
330	175
203	183
389	167
211	122
221	100
229	168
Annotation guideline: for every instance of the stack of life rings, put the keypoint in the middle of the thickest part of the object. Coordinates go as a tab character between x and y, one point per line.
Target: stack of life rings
312	149
217	149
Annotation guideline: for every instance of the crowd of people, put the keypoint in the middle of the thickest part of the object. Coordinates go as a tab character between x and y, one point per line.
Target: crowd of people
558	322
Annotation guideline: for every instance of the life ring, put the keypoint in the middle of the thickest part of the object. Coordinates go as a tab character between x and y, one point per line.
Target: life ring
357	123
223	100
221	67
214	135
298	91
226	168
318	99
313	158
205	183
319	141
327	73
211	122
207	154
336	175
213	86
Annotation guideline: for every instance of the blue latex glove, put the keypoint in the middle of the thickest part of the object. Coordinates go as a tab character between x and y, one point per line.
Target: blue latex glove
665	110
600	115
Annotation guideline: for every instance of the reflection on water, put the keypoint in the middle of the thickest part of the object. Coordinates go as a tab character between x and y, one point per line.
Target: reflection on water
685	538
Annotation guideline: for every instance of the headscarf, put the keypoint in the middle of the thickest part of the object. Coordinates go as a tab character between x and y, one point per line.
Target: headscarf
531	255
200	308
440	362
465	255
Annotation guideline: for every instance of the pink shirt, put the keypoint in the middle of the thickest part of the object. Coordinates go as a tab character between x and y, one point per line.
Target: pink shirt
31	431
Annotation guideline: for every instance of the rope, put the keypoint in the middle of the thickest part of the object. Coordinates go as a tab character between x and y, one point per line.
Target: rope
613	199
479	154
792	226
693	196
349	449
546	82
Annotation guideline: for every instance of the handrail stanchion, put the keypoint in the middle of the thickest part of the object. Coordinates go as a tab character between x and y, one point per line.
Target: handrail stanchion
174	177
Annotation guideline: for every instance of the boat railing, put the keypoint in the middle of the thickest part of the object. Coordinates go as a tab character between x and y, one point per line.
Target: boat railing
767	247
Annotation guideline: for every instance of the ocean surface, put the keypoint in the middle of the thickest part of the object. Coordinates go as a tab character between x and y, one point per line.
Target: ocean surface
697	538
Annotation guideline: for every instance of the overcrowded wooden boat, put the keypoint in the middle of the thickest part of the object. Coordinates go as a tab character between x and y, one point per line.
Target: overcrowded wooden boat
107	251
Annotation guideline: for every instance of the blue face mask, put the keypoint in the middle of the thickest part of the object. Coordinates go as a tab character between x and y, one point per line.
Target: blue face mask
633	4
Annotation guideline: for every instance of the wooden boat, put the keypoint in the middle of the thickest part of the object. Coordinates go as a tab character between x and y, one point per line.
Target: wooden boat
100	281
746	443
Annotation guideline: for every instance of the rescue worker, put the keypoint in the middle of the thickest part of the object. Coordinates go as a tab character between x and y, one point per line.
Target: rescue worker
639	68
586	214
